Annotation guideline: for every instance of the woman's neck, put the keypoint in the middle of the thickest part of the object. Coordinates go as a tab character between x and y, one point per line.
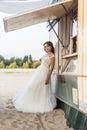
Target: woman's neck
50	53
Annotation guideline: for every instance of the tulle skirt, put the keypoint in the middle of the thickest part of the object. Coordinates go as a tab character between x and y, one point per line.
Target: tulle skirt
36	96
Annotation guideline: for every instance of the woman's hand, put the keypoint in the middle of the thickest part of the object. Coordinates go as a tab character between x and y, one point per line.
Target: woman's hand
46	81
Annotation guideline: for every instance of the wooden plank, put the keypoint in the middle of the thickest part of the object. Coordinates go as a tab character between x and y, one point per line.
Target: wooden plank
37	16
82	54
70	55
82	37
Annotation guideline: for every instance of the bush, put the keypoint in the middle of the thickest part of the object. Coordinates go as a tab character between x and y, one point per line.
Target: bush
36	64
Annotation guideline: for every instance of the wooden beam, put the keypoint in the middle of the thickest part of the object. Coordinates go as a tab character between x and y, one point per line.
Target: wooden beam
37	16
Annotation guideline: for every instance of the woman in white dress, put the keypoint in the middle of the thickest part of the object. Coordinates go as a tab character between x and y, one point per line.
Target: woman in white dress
36	97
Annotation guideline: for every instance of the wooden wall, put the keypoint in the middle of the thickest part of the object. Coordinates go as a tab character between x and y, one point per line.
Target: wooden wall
82	54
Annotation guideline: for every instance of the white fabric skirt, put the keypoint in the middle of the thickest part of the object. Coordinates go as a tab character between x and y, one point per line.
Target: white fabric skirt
36	97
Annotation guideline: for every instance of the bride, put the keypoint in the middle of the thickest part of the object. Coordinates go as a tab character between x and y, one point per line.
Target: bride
37	97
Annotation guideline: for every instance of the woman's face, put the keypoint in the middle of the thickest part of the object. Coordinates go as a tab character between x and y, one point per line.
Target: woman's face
47	48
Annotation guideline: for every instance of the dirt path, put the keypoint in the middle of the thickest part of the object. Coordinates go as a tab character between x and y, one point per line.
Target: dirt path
11	119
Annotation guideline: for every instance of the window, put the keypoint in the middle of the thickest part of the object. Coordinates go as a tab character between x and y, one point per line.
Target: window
72	66
74	23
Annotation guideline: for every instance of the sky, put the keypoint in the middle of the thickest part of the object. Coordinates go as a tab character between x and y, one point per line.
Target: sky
25	41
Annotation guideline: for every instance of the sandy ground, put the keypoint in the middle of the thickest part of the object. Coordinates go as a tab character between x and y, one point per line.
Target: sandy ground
11	119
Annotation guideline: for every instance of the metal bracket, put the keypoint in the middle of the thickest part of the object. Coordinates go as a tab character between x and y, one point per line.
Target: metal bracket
51	24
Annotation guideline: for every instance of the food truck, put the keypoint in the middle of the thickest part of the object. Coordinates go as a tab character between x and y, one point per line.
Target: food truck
67	26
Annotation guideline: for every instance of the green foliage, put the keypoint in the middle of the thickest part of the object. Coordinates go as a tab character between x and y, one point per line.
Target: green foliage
30	59
1	64
26	65
1	58
36	64
13	65
12	59
7	62
25	62
25	59
19	62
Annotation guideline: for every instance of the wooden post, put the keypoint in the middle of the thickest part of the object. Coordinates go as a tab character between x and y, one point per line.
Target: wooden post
82	54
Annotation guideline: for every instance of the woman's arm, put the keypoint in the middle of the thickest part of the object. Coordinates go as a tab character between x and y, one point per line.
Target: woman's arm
52	63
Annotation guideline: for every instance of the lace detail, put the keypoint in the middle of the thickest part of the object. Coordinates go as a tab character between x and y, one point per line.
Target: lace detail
46	60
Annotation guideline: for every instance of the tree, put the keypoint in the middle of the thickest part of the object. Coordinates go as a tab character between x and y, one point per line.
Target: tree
36	64
1	58
19	62
26	62
6	62
25	59
30	58
13	65
12	59
30	61
26	65
1	64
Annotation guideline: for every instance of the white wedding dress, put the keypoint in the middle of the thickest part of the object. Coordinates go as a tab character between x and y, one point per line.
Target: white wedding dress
37	97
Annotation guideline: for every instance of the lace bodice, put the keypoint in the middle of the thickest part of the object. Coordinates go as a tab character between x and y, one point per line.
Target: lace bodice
45	60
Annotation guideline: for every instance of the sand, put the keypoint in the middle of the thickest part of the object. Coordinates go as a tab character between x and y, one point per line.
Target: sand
11	119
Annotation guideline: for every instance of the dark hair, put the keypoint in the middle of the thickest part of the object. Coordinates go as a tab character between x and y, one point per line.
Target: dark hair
50	44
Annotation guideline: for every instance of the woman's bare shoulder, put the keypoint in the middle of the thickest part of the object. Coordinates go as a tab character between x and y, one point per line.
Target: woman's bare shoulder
52	56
